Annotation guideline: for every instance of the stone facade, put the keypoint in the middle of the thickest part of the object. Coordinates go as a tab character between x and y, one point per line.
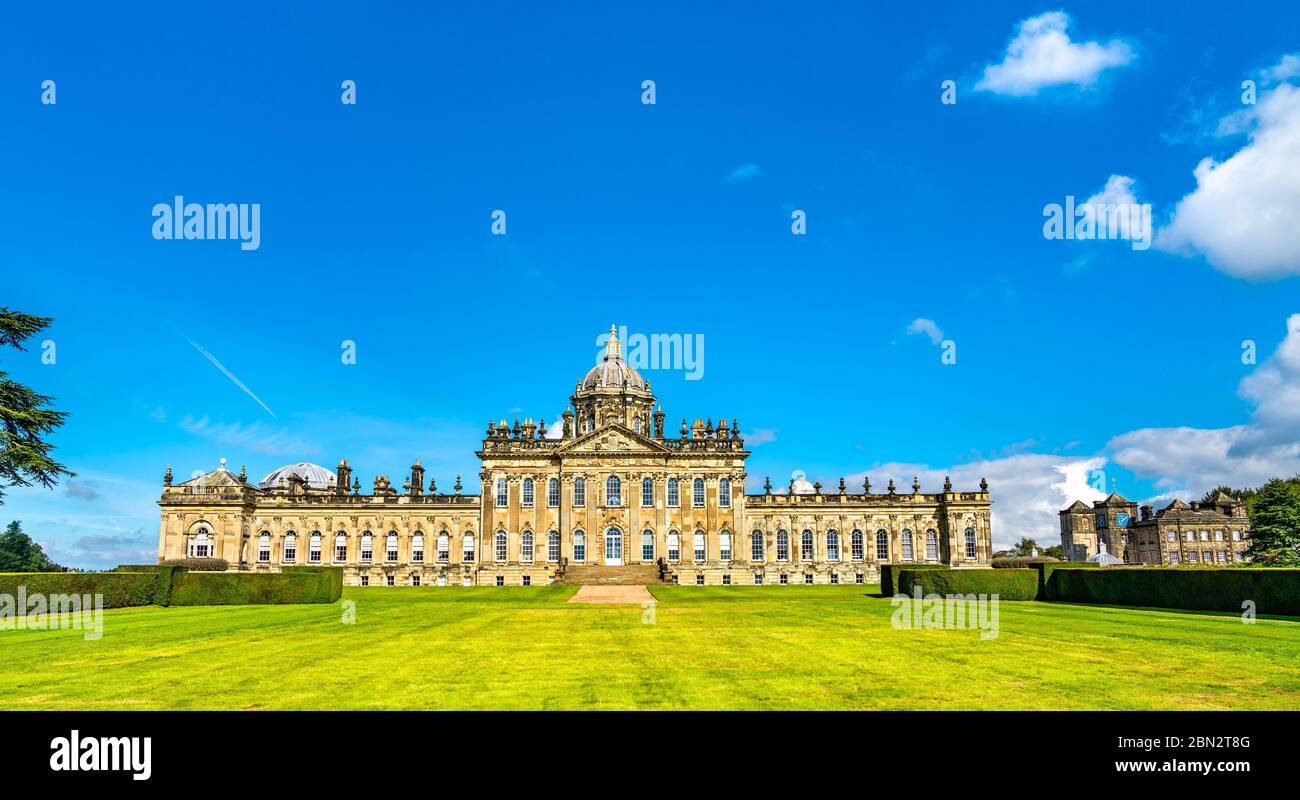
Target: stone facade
1183	534
612	490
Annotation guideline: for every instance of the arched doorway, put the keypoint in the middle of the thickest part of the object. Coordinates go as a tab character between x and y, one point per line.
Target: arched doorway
613	547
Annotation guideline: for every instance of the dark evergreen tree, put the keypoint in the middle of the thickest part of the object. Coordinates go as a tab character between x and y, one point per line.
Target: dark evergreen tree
18	553
25	416
1275	525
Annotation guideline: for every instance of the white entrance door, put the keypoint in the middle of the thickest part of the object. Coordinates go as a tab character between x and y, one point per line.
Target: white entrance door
613	548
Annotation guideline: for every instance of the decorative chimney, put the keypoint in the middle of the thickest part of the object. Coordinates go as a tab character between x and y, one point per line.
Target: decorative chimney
417	478
659	423
345	473
167	476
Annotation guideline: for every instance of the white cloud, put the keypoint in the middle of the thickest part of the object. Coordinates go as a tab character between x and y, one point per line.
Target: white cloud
1196	459
760	436
928	327
1242	214
1041	54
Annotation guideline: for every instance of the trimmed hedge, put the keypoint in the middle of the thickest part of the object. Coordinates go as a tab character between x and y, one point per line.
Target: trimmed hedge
307	585
1007	584
1016	562
120	589
889	575
1274	591
1045	572
197	564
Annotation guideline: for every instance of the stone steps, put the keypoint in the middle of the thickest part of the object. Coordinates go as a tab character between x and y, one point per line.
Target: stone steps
599	575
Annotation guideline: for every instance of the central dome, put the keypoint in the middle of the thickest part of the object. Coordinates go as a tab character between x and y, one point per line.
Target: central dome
317	477
613	371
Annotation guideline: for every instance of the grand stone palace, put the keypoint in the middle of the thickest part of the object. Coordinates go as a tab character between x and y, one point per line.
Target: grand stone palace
614	496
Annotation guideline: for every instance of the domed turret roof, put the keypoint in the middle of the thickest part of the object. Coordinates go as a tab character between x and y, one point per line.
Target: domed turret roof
613	371
317	477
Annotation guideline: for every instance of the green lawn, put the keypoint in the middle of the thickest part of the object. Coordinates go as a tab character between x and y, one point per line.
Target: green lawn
786	647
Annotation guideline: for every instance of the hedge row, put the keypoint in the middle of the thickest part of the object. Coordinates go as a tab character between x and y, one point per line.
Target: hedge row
889	575
1007	584
1016	562
1273	591
301	585
120	589
164	585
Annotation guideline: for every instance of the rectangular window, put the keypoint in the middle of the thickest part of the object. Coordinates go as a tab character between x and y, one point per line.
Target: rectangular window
674	548
340	552
724	493
697	494
856	544
528	580
1192	557
699	579
391	555
647	548
264	554
782	548
808	578
1173	557
553	493
527	497
726	580
417	554
647	493
785	579
503	493
756	547
882	548
415	580
835	577
365	580
552	548
1223	557
390	580
806	547
313	553
859	578
758	579
674	496
501	580
580	492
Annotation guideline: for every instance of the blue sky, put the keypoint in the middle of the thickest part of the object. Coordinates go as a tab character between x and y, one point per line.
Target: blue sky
375	227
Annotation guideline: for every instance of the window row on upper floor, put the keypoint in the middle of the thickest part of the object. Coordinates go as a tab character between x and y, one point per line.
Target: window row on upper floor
613	492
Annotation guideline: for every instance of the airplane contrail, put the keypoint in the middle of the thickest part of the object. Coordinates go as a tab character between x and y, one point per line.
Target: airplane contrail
231	376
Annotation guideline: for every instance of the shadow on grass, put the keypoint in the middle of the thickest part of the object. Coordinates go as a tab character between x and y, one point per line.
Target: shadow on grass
1186	611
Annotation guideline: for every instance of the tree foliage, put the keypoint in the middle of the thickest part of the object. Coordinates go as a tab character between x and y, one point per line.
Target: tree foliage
18	553
1275	524
25	416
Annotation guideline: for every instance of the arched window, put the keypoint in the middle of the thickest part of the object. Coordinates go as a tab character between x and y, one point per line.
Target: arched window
201	544
832	546
444	548
724	493
579	546
264	547
613	491
647	492
314	547
290	547
527	498
367	547
700	553
340	547
806	546
526	547
553	493
674	493
882	546
636	425
782	546
579	491
467	548
390	547
503	493
724	546
931	546
756	546
674	546
553	546
856	550
647	545
501	546
590	423
697	493
417	548
970	543
907	545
